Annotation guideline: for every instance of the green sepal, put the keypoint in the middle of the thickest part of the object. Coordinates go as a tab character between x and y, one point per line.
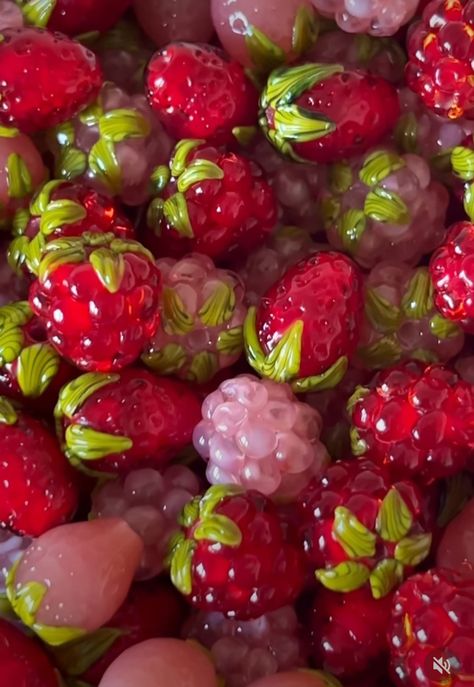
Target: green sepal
61	212
160	178
345	577
264	53
20	221
52	259
8	415
231	342
109	267
356	540
394	519
214	497
17	254
197	171
11	343
468	201
382	353
65	134
462	161
42	198
154	215
19	181
326	380
122	123
219	307
55	636
104	165
358	445
85	443
442	328
181	564
179	159
190	512
340	177
76	657
387	575
351	226
9	132
91	115
218	529
175	209
383	205
359	393
37	365
382	314
305	30
204	366
424	355
330	211
38	12
286	84
378	166
18	313
167	361
418	299
411	551
176	319
296	124
406	133
71	163
244	135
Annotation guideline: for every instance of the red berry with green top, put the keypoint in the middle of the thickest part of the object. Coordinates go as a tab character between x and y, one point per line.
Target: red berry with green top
232	555
23	661
323	112
97	297
47	78
210	201
74	17
197	91
306	326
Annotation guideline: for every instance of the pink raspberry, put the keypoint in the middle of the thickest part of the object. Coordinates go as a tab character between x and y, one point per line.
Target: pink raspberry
377	17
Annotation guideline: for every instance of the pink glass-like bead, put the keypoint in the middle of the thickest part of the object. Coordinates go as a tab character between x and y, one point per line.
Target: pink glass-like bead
257	434
150	502
166	21
298	678
161	663
11	16
456	548
377	17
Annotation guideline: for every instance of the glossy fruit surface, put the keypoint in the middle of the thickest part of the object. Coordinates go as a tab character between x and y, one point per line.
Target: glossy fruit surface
24	663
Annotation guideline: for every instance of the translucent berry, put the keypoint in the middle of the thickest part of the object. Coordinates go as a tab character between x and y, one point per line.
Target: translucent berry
24	663
456	548
166	21
376	17
74	17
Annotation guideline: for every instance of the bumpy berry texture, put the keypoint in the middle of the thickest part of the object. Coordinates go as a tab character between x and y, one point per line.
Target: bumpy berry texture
202	315
455	550
440	48
24	663
209	201
122	422
150	502
321	112
246	650
107	292
359	527
199	92
401	320
376	17
114	146
216	560
415	420
166	21
307	325
255	433
384	205
432	617
66	78
73	17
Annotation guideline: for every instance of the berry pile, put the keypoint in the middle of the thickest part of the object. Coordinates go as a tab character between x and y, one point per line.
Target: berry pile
236	343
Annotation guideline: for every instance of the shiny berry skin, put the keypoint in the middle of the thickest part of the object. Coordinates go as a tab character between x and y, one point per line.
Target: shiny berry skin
121	422
47	78
97	296
452	273
24	663
212	202
37	488
432	616
416	420
232	556
440	66
306	326
456	547
197	91
74	17
322	112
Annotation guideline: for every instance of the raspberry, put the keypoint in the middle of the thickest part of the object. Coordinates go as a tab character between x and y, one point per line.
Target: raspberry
74	17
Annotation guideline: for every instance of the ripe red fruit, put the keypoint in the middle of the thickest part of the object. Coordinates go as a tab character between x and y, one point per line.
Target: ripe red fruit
322	112
232	556
456	547
306	326
432	617
98	298
46	78
415	419
212	202
74	17
24	663
440	49
37	488
125	421
197	91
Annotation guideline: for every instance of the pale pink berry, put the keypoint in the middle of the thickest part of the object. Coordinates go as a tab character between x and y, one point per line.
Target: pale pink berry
166	21
11	16
257	434
456	548
298	678
150	502
376	17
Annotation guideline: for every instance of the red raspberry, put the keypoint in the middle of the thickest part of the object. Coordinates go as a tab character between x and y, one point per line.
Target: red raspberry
74	17
432	617
46	78
232	556
359	527
415	419
122	422
307	325
37	491
322	113
440	57
199	92
212	202
24	663
98	298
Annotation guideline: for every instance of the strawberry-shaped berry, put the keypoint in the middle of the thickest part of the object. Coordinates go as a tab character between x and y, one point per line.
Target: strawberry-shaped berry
307	325
120	422
23	661
232	555
415	419
37	488
73	17
440	49
97	297
65	75
321	112
209	201
433	624
197	91
358	527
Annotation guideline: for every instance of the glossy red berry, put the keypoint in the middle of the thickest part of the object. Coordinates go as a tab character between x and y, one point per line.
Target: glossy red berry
322	112
98	297
415	419
125	421
37	488
74	17
212	202
46	78
197	91
440	58
232	556
306	327
23	661
433	618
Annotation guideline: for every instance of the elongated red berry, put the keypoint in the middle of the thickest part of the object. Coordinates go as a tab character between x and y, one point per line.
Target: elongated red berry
24	663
